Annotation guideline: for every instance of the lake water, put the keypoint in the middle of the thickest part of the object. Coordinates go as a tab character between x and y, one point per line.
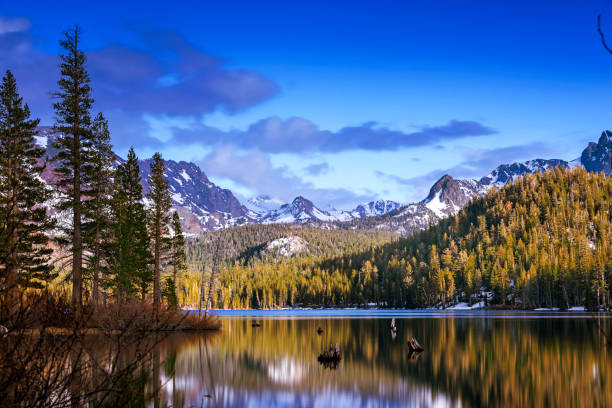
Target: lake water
471	359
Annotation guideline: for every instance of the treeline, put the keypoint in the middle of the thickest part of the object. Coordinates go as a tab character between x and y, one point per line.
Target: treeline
112	245
543	241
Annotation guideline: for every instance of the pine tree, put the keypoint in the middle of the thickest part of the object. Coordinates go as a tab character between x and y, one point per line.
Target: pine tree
143	273
131	254
169	293
24	252
97	230
178	248
73	120
160	197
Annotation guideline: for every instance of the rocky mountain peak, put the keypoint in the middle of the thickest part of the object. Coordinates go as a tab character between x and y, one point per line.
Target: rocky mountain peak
448	195
596	156
301	205
443	183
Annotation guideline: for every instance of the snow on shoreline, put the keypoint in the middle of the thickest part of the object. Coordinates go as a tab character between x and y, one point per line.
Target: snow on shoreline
459	307
465	306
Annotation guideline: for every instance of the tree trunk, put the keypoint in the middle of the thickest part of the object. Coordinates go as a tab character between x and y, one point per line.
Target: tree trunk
156	282
96	267
201	292
77	239
210	287
11	262
174	273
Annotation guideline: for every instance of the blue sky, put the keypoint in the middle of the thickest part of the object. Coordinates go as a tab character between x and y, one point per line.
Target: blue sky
341	102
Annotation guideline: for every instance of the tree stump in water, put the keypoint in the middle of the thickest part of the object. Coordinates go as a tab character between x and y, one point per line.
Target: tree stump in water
330	358
414	346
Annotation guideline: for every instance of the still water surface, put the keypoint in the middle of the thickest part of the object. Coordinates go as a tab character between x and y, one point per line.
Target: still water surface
470	359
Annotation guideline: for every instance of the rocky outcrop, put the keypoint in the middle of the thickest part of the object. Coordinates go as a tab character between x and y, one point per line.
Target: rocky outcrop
287	246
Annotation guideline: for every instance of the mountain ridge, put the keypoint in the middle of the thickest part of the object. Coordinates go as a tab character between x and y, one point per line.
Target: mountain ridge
204	206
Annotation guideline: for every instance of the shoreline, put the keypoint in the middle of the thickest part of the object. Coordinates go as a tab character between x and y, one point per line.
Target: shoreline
389	313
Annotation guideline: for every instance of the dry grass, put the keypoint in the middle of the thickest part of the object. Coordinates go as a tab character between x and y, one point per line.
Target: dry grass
42	310
141	316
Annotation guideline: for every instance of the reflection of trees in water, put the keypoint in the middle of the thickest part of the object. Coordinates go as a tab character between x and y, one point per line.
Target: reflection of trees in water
102	370
478	361
475	361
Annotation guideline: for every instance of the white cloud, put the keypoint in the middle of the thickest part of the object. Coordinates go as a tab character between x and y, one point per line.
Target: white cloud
13	25
255	172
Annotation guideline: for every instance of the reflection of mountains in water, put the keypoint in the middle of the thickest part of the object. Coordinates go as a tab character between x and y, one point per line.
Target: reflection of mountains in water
469	361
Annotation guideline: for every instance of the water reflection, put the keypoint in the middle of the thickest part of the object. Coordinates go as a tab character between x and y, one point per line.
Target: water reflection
466	362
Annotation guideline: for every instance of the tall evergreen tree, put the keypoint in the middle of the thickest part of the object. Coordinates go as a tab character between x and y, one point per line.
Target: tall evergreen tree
97	230
73	120
131	255
24	253
159	195
178	247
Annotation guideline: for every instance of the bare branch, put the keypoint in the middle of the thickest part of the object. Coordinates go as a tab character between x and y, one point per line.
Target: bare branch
601	34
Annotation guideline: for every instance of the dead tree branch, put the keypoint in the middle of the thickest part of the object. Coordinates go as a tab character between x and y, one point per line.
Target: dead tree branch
601	34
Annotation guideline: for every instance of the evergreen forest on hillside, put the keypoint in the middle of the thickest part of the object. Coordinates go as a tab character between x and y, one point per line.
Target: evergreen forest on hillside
543	241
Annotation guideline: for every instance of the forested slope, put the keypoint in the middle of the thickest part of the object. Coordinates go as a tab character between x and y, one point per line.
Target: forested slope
246	244
542	241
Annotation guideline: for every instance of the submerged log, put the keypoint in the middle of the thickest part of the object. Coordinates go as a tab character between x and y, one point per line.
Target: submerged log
414	345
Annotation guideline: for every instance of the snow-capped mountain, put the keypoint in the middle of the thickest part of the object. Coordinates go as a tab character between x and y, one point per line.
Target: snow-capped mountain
448	195
304	210
507	172
300	210
203	206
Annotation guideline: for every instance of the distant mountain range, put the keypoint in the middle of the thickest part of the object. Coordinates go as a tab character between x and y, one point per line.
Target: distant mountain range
204	206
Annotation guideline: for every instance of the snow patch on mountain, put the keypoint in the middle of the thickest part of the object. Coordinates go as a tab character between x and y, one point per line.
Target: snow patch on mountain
437	206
